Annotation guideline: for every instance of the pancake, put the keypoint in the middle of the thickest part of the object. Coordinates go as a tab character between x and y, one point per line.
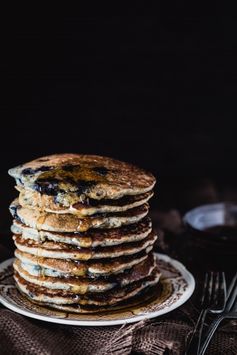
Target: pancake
64	251
92	238
138	299
61	297
92	268
71	223
35	200
81	285
72	177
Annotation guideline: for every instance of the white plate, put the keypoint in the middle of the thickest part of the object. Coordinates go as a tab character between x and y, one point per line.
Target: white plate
176	287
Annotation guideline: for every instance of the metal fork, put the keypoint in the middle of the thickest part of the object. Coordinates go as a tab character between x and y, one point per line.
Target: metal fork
230	312
212	300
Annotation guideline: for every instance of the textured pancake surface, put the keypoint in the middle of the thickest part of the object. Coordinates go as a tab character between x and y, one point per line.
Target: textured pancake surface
71	223
92	267
63	297
90	176
81	285
35	200
140	298
92	238
65	251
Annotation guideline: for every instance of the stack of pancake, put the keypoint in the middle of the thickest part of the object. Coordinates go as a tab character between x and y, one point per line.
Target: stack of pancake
84	241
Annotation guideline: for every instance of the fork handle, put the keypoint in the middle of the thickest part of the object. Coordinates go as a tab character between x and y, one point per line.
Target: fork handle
212	328
194	342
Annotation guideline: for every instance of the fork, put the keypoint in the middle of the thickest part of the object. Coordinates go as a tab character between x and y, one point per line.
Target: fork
213	301
230	312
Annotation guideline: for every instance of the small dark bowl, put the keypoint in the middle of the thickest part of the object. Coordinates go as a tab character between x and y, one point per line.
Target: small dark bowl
210	238
218	221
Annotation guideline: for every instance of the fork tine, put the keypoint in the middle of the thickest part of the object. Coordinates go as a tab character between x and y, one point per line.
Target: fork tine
232	293
210	287
223	288
205	288
219	294
216	287
232	284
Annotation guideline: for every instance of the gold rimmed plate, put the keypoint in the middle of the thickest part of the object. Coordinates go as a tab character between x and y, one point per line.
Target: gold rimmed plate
175	288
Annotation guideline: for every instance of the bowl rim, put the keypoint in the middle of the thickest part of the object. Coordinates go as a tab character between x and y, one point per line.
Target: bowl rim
206	207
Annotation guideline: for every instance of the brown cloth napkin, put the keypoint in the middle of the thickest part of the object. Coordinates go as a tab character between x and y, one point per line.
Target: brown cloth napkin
165	335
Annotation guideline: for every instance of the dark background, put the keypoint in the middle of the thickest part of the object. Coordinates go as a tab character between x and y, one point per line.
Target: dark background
156	89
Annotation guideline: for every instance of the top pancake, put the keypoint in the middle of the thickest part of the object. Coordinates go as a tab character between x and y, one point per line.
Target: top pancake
77	177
